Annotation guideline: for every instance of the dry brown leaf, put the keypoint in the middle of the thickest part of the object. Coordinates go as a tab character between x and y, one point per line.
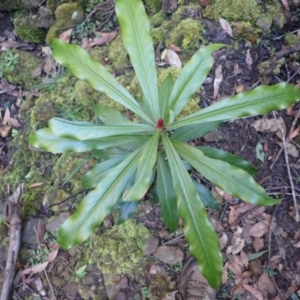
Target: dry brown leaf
236	69
36	268
174	48
269	125
244	258
258	244
66	35
285	4
36	184
243	208
223	240
13	122
266	285
224	195
100	39
297	245
226	26
225	274
290	149
5	130
249	60
6	116
294	133
172	58
232	215
218	80
234	266
257	294
237	243
239	88
52	255
259	229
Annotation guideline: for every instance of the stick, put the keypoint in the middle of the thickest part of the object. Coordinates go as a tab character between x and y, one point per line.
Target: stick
12	215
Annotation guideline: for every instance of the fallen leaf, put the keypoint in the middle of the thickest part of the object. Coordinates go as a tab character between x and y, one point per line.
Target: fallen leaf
5	130
36	268
290	149
6	116
36	184
174	48
237	243
224	240
172	58
66	35
244	258
14	122
259	229
226	26
266	285
269	125
100	39
249	60
297	245
258	244
236	69
257	294
285	4
232	215
239	88
218	80
294	133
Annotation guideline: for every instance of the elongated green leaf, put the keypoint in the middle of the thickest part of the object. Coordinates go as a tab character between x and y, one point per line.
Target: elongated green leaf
166	195
164	93
190	132
135	31
108	153
85	131
206	196
200	234
93	177
81	65
145	169
127	209
232	180
97	204
191	77
228	157
46	140
251	103
109	115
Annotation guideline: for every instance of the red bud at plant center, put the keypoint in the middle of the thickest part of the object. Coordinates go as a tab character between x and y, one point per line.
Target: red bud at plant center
160	123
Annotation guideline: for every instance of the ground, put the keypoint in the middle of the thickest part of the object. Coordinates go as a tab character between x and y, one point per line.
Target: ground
132	261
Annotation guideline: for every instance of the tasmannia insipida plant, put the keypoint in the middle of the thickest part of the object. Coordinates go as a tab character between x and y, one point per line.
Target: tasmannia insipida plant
154	153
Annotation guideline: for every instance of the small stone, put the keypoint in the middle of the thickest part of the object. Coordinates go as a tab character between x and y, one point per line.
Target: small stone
169	255
151	245
264	23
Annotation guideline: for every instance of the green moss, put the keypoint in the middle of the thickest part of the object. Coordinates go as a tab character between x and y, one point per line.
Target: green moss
28	33
158	35
231	10
52	5
117	54
266	64
291	39
22	73
152	6
246	31
120	249
67	15
8	5
157	19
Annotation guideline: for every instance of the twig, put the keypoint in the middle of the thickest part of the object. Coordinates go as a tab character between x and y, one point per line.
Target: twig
12	215
288	168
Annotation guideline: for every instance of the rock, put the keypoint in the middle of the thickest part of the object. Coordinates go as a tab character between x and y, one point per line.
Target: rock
151	245
264	23
30	230
169	255
56	223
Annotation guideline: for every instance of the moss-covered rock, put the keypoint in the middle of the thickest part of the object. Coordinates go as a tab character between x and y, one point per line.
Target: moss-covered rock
291	39
67	15
7	5
152	6
22	71
117	54
27	32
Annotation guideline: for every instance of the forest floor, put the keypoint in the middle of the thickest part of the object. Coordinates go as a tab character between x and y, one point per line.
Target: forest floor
260	245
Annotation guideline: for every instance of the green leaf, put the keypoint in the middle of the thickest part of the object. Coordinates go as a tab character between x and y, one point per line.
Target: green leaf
85	131
98	203
109	153
46	140
164	93
135	31
261	100
232	180
127	209
233	160
81	65
166	194
199	232
190	132
206	196
109	115
94	176
191	77
145	169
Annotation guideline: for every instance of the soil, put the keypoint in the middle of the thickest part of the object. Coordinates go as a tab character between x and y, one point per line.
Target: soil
273	253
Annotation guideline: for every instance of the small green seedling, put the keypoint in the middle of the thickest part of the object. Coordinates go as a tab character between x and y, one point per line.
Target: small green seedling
153	154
